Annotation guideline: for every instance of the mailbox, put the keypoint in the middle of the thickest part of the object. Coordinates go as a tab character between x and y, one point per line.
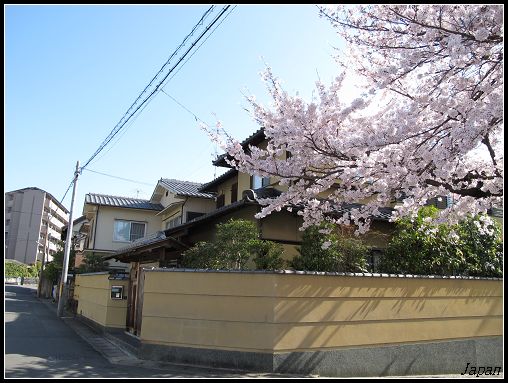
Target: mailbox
116	292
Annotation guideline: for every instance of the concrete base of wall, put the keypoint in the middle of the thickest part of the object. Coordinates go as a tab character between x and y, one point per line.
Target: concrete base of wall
97	326
447	357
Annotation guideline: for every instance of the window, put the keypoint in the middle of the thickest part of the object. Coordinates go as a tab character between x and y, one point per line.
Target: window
192	215
128	231
373	260
441	202
257	182
220	201
173	222
234	192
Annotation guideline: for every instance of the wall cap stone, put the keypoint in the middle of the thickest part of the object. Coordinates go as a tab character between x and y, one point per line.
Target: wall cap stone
323	273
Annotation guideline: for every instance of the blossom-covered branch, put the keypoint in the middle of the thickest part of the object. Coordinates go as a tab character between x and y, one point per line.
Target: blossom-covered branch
439	69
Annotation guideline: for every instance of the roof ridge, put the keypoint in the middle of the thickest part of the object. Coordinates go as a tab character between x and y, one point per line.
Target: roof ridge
174	179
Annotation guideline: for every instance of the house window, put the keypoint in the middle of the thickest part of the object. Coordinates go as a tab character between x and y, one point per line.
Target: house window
220	201
128	231
234	192
441	202
373	260
173	222
257	182
192	215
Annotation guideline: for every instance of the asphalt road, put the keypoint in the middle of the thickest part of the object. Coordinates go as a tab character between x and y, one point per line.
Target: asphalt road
38	344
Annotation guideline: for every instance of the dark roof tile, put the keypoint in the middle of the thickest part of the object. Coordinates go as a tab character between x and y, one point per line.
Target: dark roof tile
116	201
185	188
218	180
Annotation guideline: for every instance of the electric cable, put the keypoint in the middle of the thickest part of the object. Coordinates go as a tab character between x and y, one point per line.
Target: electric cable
117	127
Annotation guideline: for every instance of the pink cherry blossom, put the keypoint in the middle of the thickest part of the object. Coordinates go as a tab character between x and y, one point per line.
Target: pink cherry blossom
438	70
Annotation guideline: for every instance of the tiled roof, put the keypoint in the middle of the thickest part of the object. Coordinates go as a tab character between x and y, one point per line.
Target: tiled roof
253	139
110	200
185	188
218	180
149	239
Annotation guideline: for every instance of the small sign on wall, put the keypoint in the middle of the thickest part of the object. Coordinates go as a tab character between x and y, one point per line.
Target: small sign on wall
116	292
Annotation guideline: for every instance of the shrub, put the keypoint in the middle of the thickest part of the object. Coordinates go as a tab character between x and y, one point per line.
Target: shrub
481	246
15	269
201	256
472	247
324	249
54	268
236	242
269	256
92	263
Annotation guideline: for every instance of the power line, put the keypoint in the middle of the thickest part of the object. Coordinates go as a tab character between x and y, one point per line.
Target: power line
131	122
175	100
193	53
120	124
175	52
61	201
145	102
160	71
120	178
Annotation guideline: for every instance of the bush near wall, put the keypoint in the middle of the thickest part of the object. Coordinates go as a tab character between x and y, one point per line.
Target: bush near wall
472	248
17	269
236	243
327	248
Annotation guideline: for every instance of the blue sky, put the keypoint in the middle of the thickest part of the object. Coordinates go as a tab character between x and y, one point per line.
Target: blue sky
71	72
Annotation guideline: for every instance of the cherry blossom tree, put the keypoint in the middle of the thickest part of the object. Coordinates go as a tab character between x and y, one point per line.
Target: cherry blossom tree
438	129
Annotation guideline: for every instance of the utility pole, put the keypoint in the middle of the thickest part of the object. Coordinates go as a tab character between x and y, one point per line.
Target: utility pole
63	282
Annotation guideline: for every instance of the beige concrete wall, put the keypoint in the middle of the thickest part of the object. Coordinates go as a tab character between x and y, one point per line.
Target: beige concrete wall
198	205
93	293
282	226
243	183
288	312
225	188
167	200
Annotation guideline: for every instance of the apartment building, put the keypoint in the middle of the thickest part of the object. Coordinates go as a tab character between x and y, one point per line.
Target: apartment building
33	225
